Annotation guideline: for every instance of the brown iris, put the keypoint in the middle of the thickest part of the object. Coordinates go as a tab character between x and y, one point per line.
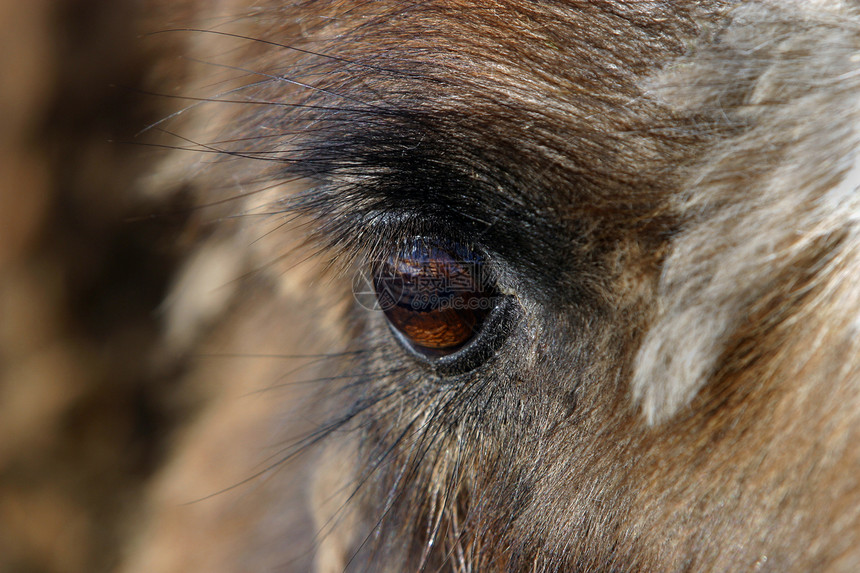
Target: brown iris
436	298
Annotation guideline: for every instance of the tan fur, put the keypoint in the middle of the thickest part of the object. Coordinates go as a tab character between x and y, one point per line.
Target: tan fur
673	198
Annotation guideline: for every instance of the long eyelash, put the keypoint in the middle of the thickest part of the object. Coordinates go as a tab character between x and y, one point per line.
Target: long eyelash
255	40
415	440
414	444
269	79
406	448
198	102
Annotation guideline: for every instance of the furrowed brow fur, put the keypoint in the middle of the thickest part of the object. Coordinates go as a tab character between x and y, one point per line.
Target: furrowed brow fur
436	127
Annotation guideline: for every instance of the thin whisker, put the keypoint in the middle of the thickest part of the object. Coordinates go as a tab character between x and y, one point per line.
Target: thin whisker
284	79
287	47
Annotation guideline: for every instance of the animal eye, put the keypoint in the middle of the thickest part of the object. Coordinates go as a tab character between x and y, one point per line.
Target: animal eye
436	297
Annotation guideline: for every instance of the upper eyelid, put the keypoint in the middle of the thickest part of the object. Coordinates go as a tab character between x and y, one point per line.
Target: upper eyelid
395	227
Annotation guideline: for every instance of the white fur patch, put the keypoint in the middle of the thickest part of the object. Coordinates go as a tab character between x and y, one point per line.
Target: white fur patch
761	201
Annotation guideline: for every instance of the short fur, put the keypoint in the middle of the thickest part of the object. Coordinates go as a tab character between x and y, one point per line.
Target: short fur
670	191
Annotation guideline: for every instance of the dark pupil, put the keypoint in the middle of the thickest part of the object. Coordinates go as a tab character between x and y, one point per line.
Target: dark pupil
437	299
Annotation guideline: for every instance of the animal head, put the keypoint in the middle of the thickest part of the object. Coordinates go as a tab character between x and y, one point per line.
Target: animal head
571	286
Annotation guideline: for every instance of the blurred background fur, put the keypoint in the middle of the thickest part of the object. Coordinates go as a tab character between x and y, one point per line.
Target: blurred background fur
87	400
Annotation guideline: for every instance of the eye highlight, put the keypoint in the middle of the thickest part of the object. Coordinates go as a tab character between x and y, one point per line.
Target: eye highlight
438	298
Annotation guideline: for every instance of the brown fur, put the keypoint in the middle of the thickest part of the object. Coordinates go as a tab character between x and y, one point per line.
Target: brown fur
669	192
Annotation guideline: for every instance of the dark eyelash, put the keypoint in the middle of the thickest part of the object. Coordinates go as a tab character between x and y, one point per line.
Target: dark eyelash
357	237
